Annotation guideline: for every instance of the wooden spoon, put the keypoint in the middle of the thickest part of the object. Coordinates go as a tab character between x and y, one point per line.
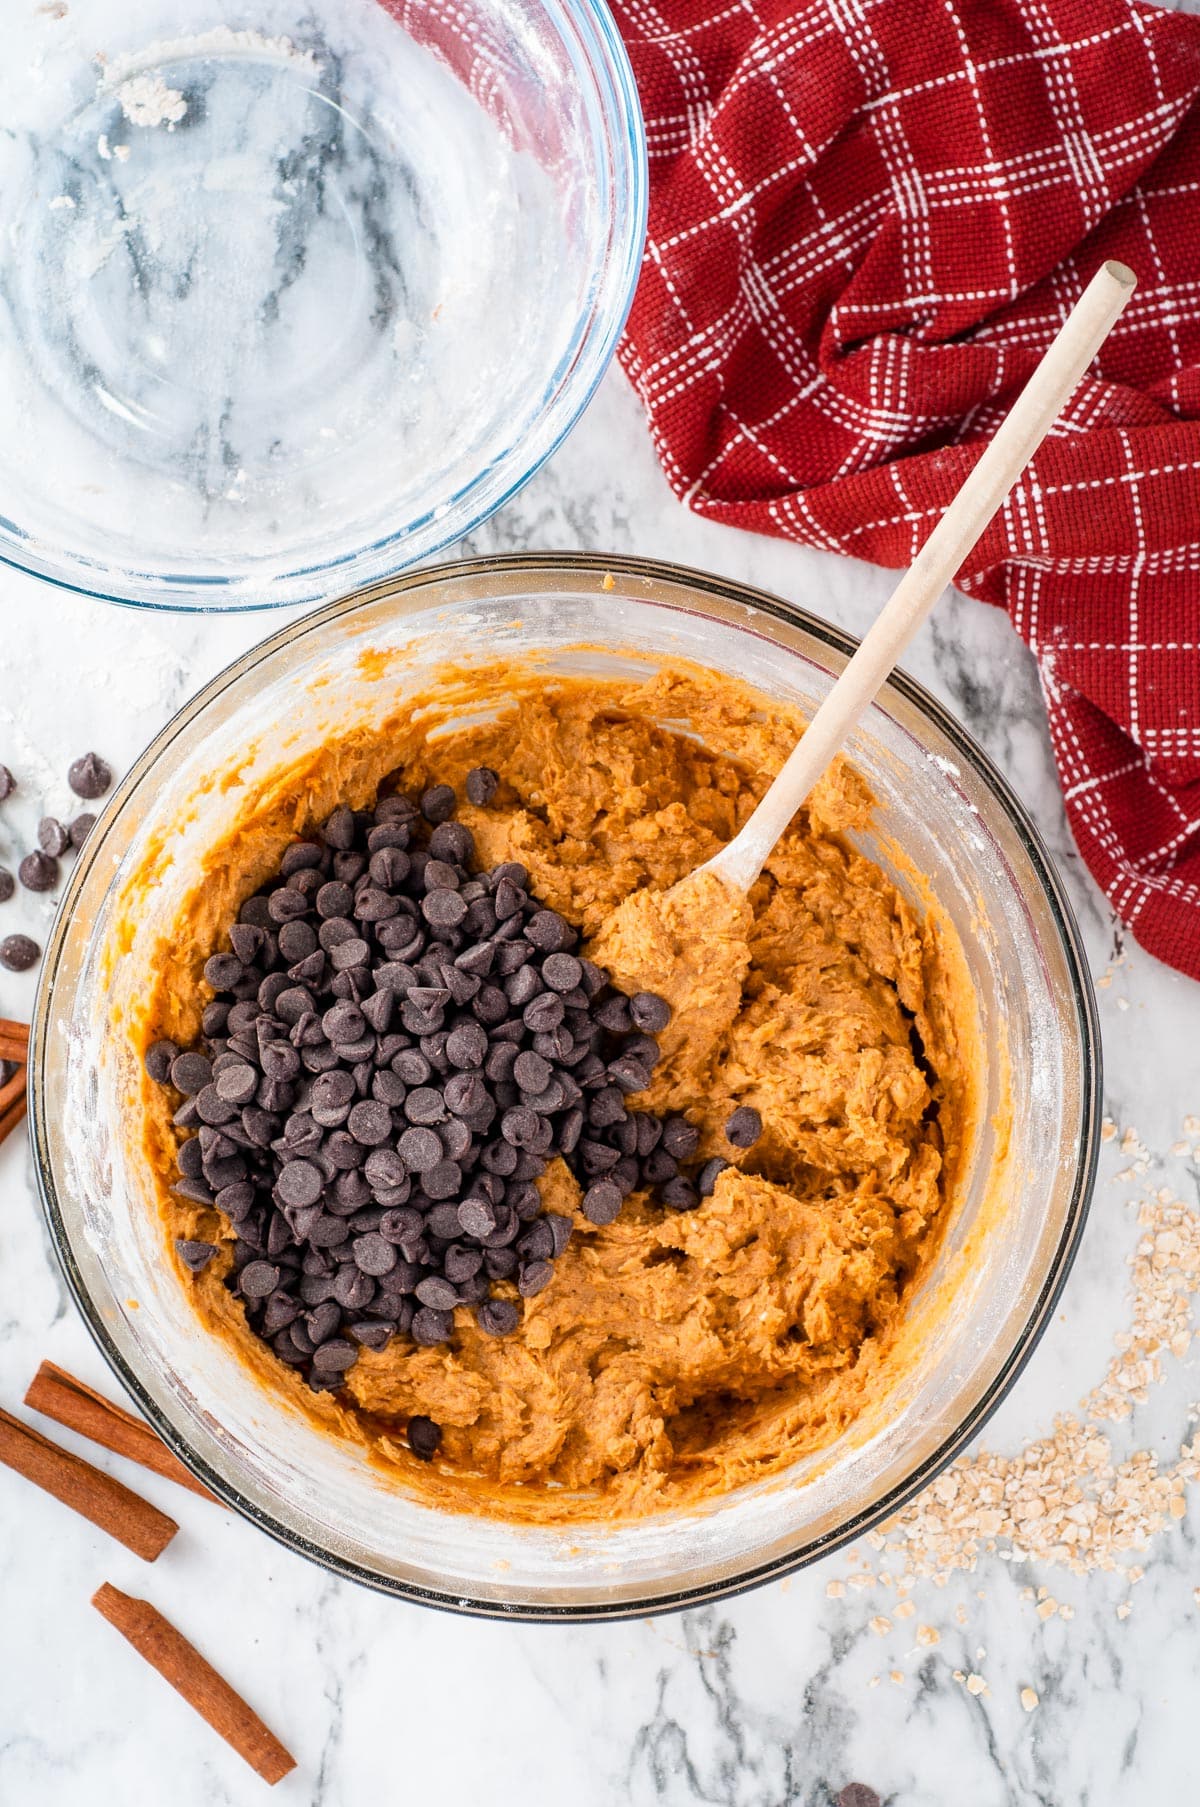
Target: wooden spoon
1018	437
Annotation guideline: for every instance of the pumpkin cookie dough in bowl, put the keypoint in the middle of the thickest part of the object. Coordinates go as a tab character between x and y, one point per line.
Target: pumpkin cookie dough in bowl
495	1239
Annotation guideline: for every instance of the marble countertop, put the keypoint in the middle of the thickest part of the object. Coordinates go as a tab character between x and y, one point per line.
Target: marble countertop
783	1695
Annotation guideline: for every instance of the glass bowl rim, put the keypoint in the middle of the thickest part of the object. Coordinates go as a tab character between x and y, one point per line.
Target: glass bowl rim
571	567
571	386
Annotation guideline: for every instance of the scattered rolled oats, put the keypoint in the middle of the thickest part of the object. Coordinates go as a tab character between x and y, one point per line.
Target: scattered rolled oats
1029	1699
880	1626
928	1635
976	1684
835	1589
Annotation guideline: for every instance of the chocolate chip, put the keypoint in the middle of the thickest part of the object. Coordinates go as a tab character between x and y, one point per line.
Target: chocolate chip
300	1183
8	783
285	904
482	785
370	1122
744	1127
18	953
549	931
680	1195
424	1436
680	1138
649	1012
339	830
534	1277
190	1073
531	1072
79	829
562	972
467	1046
8	884
158	1057
857	1794
335	1356
236	1200
237	1084
425	1105
706	1179
89	777
419	1149
437	1293
430	1327
544	1013
443	1180
52	837
38	872
628	1074
443	909
195	1255
222	971
438	803
258	1279
602	1202
374	1254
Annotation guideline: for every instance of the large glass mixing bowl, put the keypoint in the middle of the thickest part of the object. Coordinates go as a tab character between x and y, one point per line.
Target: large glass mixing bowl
294	296
1009	1246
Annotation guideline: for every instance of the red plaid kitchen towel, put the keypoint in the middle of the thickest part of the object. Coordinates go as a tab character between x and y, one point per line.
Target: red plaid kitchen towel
868	218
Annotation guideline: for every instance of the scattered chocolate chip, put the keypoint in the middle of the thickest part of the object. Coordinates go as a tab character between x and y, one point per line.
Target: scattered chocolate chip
482	785
89	777
8	884
79	829
857	1794
438	803
52	837
8	783
498	1317
18	953
38	872
706	1179
424	1437
195	1255
744	1127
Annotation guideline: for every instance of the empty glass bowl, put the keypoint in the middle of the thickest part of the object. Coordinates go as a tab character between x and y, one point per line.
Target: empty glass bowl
292	297
998	1272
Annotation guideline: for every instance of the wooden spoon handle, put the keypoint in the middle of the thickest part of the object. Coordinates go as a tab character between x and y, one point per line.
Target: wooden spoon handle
999	465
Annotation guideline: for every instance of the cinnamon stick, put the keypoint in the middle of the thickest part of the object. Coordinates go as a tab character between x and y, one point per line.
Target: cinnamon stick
14	1040
124	1514
59	1395
181	1664
14	1099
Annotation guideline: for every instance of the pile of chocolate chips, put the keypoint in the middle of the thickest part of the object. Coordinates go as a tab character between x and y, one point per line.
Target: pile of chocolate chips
398	1045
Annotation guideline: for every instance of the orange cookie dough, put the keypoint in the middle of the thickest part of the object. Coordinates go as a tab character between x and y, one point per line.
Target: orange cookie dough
673	1356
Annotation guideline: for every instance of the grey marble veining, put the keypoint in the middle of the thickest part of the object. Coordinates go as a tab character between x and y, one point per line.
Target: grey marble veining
780	1696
